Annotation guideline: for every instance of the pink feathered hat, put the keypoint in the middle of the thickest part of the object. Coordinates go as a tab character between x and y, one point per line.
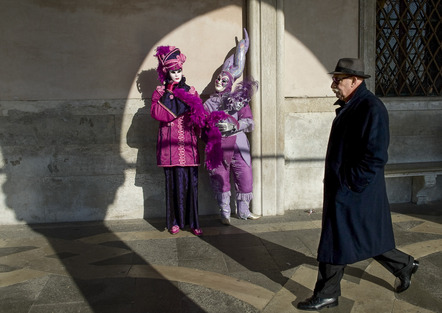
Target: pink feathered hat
169	58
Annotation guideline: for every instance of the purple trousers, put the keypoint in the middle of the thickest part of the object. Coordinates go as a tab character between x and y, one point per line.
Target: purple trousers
242	175
182	196
243	179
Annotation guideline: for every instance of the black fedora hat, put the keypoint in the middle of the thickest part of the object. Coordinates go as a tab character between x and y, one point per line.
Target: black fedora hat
349	66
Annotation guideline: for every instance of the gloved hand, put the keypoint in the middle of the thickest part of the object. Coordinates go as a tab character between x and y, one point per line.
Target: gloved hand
226	127
171	85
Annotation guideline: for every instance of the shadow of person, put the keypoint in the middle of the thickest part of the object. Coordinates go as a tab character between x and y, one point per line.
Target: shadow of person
142	135
146	83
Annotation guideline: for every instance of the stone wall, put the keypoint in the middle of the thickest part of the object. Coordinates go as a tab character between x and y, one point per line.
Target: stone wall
415	131
77	142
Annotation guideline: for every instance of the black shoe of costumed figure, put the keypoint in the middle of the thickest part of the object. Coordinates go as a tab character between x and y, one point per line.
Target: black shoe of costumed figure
316	303
405	278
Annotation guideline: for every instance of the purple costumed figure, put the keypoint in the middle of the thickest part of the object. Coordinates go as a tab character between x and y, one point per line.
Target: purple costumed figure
235	146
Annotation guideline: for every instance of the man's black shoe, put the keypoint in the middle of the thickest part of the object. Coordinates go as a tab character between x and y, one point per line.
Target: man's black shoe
405	278
316	303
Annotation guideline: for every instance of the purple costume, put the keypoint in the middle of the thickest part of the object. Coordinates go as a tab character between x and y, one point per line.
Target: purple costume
236	159
235	146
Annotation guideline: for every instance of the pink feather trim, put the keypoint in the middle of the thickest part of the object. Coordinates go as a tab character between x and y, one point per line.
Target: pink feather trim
214	152
207	122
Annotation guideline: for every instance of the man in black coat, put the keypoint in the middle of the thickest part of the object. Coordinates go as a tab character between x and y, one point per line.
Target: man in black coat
356	221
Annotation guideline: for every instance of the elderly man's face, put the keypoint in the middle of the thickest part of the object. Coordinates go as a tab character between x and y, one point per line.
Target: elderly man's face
342	86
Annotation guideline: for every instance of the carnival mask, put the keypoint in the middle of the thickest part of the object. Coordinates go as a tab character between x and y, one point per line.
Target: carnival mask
176	75
222	82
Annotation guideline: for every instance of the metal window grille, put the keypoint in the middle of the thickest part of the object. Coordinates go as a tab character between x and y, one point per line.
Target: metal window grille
408	48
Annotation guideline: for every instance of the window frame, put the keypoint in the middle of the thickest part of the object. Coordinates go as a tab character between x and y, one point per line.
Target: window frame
367	46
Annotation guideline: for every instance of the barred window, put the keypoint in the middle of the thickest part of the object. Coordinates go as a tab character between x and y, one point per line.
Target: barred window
408	48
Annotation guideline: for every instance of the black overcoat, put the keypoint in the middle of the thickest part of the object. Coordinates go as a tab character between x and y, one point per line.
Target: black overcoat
356	221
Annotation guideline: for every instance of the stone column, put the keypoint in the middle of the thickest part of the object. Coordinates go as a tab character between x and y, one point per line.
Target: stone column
367	39
265	63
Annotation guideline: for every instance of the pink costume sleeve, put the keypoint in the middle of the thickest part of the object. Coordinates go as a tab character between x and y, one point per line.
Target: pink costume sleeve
158	111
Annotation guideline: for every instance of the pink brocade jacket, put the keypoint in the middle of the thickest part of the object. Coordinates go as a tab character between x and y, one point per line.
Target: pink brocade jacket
177	143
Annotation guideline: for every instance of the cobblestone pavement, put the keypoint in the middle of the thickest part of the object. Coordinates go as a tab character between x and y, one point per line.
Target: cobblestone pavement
267	265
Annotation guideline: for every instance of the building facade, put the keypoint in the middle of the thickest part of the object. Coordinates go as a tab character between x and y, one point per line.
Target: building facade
76	137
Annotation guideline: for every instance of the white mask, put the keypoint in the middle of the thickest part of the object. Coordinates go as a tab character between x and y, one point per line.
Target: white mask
176	75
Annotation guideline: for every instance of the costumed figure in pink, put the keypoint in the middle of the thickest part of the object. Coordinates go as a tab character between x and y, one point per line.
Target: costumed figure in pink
236	158
180	112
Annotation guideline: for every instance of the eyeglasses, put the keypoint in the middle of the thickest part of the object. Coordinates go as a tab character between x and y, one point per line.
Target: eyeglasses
337	80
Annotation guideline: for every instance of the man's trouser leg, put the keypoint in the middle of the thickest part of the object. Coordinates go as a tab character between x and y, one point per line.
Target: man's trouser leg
395	261
328	284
